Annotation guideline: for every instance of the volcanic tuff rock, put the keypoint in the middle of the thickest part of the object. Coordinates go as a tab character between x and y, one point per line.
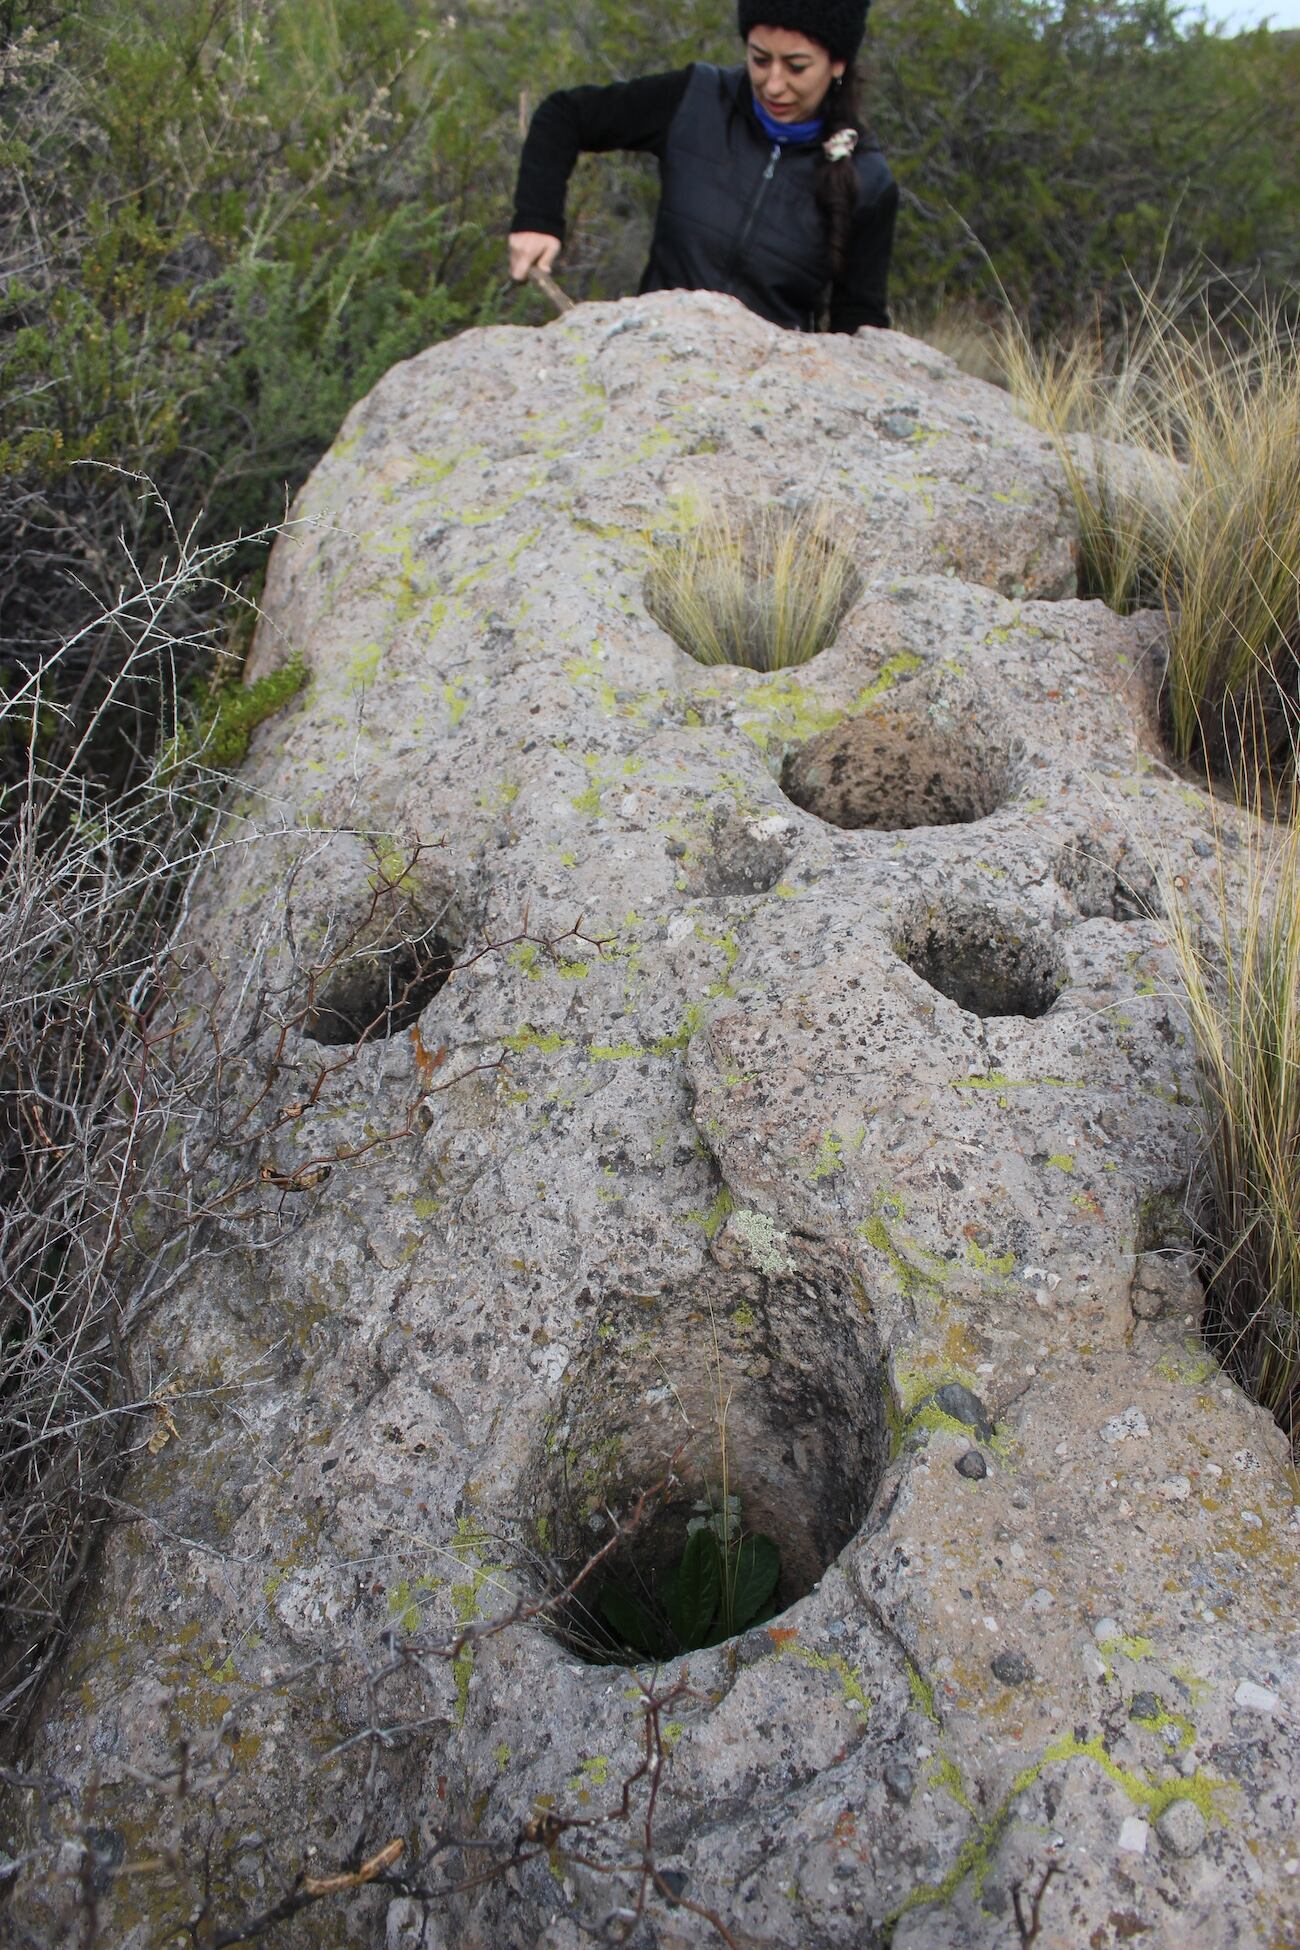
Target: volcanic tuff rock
860	1101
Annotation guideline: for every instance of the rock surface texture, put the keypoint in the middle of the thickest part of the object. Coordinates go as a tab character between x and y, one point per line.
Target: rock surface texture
859	1101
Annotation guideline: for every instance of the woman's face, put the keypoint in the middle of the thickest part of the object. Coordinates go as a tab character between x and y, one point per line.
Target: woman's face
789	73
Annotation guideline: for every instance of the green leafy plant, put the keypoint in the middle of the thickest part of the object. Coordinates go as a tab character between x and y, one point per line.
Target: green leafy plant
724	1581
230	716
766	590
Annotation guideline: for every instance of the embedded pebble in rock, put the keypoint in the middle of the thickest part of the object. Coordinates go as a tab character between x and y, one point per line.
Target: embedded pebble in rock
1013	1669
1181	1827
860	1103
1256	1699
1131	1426
972	1466
964	1407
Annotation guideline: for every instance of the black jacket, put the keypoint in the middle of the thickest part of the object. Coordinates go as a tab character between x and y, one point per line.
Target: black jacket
736	211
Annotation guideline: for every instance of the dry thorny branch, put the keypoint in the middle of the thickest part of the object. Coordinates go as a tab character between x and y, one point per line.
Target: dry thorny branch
546	1833
1028	1907
134	1142
139	1127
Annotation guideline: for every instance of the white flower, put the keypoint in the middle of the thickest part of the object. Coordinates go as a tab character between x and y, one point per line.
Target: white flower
840	146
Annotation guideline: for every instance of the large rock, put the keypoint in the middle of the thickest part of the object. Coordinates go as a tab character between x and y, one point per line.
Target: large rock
859	1103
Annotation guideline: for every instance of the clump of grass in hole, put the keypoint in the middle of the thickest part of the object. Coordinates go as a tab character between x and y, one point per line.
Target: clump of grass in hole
766	589
1241	978
1185	493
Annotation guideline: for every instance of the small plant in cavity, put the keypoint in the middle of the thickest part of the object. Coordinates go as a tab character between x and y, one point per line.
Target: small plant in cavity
765	589
724	1581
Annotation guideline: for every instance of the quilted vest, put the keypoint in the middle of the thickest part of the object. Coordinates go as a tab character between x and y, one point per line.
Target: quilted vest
737	212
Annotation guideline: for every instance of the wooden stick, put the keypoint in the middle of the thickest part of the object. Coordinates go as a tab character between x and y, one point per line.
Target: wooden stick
545	282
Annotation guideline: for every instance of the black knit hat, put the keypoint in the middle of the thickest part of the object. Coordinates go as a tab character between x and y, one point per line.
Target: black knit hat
837	24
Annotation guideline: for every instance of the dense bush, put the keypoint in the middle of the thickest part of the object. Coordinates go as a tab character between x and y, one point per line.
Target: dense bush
1074	146
221	222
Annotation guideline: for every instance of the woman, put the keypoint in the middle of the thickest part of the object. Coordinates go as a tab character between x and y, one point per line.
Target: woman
769	188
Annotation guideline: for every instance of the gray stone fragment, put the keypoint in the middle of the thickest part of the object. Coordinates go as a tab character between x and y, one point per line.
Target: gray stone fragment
753	1646
972	1466
1181	1827
900	1782
412	1926
1013	1669
955	1400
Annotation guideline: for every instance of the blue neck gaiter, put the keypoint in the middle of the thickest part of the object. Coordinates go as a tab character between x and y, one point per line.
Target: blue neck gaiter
786	131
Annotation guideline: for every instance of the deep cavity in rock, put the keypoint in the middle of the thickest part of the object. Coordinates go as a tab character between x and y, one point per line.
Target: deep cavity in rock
888	769
377	992
788	1365
987	963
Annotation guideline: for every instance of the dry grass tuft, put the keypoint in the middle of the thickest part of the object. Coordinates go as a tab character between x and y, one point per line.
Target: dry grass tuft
1184	484
766	590
964	334
1241	978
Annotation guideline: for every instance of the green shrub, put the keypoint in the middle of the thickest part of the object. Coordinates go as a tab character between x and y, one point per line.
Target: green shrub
1073	146
223	725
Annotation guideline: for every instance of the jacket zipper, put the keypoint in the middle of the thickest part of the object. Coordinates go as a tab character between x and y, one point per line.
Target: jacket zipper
751	216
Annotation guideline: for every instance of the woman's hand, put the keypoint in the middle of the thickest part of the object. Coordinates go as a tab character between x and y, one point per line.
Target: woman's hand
530	250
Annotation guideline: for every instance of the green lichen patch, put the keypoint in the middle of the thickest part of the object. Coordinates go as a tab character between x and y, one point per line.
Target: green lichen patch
900	665
852	1686
975	1857
922	1693
717	1215
829	1158
998	1081
901	1257
545	1042
782	711
765	1244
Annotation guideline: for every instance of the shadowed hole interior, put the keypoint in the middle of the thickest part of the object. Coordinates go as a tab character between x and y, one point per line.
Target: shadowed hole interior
986	962
1107	882
377	992
767	1391
899	767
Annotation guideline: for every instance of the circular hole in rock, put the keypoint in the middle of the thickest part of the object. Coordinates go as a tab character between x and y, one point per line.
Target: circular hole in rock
1108	883
376	992
735	856
888	769
757	1405
985	962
